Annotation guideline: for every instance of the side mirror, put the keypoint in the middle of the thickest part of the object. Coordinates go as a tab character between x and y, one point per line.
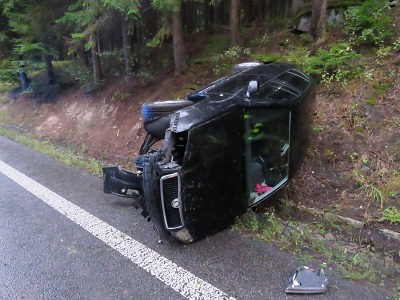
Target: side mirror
252	88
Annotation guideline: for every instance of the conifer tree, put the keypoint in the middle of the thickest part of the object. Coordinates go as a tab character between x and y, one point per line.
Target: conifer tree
172	9
35	31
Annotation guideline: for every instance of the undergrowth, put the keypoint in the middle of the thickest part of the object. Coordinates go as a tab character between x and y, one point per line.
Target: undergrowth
69	156
309	242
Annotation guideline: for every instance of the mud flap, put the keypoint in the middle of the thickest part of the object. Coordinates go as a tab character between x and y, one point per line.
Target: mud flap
119	182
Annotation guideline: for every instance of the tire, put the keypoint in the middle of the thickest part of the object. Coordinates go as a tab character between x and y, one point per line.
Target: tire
153	110
245	66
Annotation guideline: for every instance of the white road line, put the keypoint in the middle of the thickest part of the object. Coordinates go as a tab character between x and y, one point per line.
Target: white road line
162	268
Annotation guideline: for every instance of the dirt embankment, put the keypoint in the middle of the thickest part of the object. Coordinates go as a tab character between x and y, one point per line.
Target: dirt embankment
107	125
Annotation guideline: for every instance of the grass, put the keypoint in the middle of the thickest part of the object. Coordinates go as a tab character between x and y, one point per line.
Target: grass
4	87
3	116
308	243
218	44
396	295
67	156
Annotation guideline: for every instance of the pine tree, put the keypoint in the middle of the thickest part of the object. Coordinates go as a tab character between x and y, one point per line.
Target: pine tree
36	34
87	16
172	9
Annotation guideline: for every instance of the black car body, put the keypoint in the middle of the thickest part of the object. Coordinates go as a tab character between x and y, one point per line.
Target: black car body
227	147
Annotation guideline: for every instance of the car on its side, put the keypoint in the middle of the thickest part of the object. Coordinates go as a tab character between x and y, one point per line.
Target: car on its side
228	147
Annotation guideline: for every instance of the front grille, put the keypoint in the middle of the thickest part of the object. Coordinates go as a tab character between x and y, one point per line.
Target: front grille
170	187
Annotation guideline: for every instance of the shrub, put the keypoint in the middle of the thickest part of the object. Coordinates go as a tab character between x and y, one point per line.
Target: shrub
391	214
9	70
75	72
368	23
396	45
339	63
222	62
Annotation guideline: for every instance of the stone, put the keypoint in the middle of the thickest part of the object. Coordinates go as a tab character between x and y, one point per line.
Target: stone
388	261
304	24
329	236
317	237
365	168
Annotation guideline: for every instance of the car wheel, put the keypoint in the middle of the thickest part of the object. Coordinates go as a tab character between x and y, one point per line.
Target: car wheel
153	110
245	66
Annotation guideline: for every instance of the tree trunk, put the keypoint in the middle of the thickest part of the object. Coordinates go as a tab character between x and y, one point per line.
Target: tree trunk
51	76
82	53
189	16
24	80
260	11
126	47
221	12
96	65
318	18
208	17
234	23
178	42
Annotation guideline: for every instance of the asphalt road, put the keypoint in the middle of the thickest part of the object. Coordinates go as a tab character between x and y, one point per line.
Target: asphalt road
46	252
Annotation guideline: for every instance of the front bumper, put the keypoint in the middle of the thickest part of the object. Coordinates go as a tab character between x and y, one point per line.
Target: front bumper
120	182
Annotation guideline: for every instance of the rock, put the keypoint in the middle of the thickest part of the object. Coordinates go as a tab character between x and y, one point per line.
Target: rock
91	90
304	24
388	261
287	231
336	246
365	168
317	237
329	236
342	243
335	16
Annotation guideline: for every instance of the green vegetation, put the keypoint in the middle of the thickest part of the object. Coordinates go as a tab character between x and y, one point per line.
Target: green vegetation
368	23
318	128
391	214
217	44
223	62
339	63
308	242
75	72
396	295
8	73
374	193
119	95
69	156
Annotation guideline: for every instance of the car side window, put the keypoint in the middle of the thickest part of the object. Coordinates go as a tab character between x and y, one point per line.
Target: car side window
267	146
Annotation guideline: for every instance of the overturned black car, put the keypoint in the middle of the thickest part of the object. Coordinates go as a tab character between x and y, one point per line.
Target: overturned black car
227	147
